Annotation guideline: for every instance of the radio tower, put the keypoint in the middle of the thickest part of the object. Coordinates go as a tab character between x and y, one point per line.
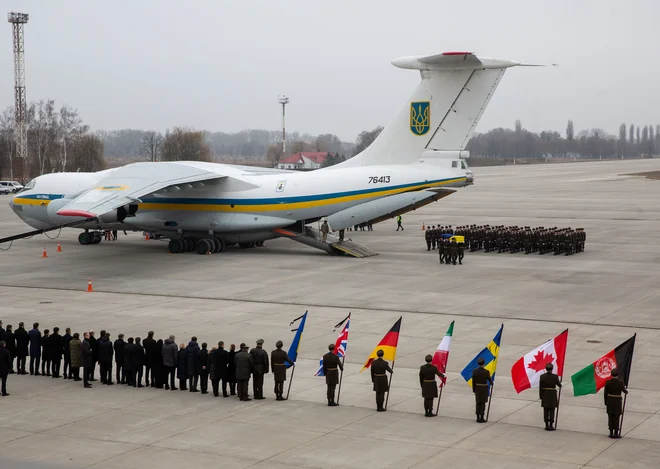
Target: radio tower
18	20
283	101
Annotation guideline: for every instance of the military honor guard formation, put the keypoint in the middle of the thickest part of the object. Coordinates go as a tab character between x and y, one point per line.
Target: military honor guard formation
159	361
451	243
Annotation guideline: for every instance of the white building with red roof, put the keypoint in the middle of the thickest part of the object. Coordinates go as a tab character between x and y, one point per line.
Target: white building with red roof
303	160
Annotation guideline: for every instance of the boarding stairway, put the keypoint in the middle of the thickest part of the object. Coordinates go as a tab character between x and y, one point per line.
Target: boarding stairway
312	237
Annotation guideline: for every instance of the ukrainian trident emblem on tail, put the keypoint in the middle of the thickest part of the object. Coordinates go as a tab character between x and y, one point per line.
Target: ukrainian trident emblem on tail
420	117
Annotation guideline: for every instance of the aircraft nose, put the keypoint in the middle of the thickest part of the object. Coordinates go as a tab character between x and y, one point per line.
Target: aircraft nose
469	177
11	203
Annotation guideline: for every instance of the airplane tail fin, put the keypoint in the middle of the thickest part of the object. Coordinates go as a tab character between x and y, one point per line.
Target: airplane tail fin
443	111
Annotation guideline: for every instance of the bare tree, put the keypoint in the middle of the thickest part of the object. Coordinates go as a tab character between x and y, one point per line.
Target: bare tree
7	125
366	138
185	145
622	139
70	127
150	145
44	129
86	153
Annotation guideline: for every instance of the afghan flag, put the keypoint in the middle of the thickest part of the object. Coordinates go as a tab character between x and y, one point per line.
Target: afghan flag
387	345
592	379
527	371
441	355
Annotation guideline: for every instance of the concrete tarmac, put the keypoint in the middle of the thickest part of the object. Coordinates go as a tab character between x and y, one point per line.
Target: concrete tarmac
603	296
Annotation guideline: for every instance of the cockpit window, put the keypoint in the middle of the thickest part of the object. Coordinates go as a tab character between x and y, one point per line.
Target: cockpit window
30	185
464	164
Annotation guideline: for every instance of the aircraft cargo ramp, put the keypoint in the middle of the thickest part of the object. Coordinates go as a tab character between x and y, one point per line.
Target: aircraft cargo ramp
311	237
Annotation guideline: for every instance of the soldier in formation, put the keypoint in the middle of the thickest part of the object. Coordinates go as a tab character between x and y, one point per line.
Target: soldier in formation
511	239
278	360
331	366
548	384
427	374
614	388
481	382
379	367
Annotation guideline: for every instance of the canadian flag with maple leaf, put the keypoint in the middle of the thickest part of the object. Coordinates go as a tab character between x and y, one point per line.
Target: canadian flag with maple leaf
526	372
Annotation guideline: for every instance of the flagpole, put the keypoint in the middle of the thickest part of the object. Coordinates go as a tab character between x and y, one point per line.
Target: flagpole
558	400
387	399
293	370
627	378
341	375
437	407
623	411
490	397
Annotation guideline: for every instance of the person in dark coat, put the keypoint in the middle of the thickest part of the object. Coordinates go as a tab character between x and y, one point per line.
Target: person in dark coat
22	344
331	365
10	344
244	367
379	379
55	351
261	366
129	367
480	380
219	360
182	368
95	353
45	354
87	359
35	349
106	353
427	374
120	358
231	370
192	366
170	361
66	338
149	345
5	365
157	369
548	383
202	366
75	353
2	330
139	358
278	360
614	388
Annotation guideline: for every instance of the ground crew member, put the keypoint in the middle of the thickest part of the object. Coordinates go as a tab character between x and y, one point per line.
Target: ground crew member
331	363
398	223
548	384
341	234
427	374
427	237
260	368
278	360
613	402
480	380
379	379
325	229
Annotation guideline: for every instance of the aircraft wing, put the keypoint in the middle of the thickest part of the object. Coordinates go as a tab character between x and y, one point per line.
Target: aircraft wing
126	185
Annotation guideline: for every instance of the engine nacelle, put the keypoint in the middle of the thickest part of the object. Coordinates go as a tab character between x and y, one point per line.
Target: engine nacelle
115	216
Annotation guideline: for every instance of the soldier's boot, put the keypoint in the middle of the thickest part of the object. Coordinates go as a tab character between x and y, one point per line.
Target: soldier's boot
617	433
332	403
611	433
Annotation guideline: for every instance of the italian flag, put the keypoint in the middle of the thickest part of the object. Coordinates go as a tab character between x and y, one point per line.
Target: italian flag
441	355
592	379
527	371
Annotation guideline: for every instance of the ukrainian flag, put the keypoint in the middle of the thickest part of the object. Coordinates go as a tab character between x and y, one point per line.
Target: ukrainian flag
295	343
489	354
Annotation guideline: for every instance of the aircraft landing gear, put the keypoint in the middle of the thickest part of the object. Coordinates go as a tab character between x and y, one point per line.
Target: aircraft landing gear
176	245
201	246
86	238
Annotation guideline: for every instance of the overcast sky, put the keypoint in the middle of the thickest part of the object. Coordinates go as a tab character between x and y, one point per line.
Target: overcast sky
220	65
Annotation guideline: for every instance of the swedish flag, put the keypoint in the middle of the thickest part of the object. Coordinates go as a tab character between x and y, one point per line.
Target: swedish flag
295	343
489	354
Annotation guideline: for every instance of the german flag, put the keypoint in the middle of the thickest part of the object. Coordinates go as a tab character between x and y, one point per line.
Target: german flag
387	345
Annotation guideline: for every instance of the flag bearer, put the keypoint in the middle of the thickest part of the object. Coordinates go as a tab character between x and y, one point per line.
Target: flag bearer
379	378
331	365
613	389
480	380
427	374
278	360
548	384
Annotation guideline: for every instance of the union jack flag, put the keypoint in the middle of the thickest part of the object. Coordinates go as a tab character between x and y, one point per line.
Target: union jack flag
340	344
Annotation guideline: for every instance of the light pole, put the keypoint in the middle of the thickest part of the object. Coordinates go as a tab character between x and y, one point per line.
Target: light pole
283	100
18	20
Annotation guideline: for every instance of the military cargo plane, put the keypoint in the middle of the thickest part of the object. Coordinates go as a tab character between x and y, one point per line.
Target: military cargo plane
418	158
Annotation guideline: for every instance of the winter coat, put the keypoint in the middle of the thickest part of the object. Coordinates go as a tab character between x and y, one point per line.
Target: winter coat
5	361
191	357
244	365
45	348
219	360
86	352
8	337
203	361
75	353
231	366
139	356
55	347
66	339
150	350
129	351
170	353
95	348
105	350
119	347
182	366
35	343
22	342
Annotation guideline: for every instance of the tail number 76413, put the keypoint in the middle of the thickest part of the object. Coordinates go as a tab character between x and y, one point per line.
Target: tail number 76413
379	179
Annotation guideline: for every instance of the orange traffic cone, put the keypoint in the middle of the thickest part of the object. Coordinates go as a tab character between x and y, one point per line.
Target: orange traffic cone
59	248
146	236
423	227
89	285
44	255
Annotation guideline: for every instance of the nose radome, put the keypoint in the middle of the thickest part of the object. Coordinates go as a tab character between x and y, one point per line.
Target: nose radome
469	177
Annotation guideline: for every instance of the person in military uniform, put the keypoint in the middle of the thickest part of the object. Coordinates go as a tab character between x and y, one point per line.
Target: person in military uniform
244	365
331	363
441	251
461	252
480	384
427	238
453	251
278	360
548	384
260	368
427	374
614	387
379	379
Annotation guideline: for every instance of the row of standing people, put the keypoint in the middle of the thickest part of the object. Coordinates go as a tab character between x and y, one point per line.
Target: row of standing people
514	239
